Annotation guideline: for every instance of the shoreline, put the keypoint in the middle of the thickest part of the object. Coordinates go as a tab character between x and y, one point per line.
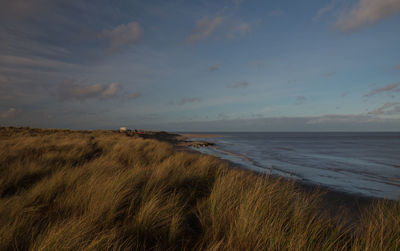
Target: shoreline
332	199
180	141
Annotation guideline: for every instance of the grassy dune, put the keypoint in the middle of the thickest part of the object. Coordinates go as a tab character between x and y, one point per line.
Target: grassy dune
81	190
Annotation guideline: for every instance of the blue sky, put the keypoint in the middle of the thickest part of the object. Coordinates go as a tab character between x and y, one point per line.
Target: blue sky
233	65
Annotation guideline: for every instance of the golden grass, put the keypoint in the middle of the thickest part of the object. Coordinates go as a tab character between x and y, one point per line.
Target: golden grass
103	190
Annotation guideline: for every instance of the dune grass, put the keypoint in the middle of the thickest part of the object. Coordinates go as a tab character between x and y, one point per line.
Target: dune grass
103	190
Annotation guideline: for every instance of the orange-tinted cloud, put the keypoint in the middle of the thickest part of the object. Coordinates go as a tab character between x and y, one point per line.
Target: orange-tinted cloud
204	28
123	35
367	12
391	88
83	92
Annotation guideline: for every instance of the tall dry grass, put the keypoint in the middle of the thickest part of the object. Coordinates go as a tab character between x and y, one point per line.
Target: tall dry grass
102	190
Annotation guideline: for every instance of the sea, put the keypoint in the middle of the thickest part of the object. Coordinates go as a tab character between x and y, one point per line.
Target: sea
359	163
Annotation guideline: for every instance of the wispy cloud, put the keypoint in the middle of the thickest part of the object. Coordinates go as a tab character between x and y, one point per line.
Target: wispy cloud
123	35
134	95
300	100
391	88
397	67
366	12
346	122
239	29
204	28
240	84
329	74
20	9
83	92
214	67
343	119
327	8
384	109
188	100
224	22
243	28
36	62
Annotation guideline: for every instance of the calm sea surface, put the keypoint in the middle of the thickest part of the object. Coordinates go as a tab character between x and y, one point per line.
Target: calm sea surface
358	163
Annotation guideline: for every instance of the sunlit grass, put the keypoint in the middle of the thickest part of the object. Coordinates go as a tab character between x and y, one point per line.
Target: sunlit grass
77	190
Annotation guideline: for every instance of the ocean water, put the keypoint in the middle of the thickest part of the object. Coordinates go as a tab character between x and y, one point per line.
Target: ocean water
366	163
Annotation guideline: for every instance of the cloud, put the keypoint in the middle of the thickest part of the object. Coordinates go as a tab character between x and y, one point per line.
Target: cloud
384	109
213	68
35	62
349	122
240	84
204	28
344	94
343	119
241	29
391	88
110	90
300	100
10	113
21	9
367	12
224	21
329	74
134	95
397	67
83	92
123	35
188	100
327	8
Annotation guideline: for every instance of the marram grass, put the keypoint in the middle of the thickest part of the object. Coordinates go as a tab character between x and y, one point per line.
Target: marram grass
103	190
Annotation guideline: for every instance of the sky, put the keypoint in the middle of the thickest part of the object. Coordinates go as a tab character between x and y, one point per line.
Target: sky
201	65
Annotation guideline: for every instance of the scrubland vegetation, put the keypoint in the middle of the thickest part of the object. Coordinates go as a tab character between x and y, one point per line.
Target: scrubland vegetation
104	190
